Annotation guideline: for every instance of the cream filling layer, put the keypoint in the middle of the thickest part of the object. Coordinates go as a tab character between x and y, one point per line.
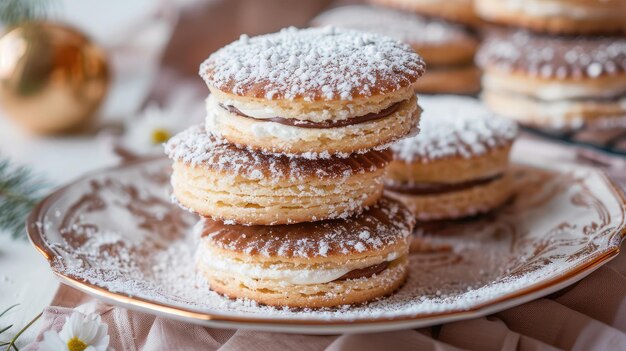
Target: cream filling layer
439	2
553	90
215	115
264	112
218	119
545	8
277	272
213	103
257	111
215	123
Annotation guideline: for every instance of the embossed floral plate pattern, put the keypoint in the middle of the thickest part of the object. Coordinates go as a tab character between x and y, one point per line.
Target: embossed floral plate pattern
115	234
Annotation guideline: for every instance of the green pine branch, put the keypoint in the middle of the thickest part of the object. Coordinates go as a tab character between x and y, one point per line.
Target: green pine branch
20	191
13	12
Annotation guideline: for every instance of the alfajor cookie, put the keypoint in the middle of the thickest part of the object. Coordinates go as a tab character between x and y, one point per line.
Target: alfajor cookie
557	16
313	92
461	11
222	181
554	82
458	165
447	48
309	265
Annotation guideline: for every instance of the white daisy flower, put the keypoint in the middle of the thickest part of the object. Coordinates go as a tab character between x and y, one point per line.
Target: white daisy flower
156	124
154	127
80	333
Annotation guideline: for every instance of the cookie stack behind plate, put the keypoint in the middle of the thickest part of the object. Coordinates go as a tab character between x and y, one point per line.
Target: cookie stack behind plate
458	11
288	170
448	46
569	17
562	69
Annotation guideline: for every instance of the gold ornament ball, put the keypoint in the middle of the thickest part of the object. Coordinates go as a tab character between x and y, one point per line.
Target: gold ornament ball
52	77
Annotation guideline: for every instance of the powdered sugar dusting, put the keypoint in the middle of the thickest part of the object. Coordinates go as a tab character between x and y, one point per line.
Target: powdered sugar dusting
554	57
313	64
453	126
562	220
407	27
195	147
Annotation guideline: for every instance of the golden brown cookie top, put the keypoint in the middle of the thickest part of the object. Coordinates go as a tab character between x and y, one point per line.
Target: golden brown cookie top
313	64
196	147
554	56
382	225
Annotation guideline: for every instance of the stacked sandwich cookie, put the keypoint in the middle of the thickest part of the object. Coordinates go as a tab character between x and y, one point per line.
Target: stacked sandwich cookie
313	92
556	65
555	82
447	48
309	264
288	171
557	16
226	182
458	165
444	32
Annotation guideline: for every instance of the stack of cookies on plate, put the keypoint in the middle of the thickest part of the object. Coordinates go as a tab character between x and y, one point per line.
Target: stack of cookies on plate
447	47
563	69
287	171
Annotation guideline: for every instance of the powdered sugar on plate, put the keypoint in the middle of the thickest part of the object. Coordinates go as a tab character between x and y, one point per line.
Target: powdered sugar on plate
313	64
453	126
118	231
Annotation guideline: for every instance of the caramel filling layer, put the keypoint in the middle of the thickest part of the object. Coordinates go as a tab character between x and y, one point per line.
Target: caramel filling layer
438	188
364	272
320	125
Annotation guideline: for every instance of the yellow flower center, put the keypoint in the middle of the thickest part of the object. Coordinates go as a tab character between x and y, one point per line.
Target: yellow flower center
160	135
75	344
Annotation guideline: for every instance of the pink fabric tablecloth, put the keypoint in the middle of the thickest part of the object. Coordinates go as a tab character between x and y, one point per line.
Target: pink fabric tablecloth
589	315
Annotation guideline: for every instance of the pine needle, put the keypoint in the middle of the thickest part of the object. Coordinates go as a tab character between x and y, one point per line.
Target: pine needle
6	328
8	309
20	191
12	342
13	12
4	343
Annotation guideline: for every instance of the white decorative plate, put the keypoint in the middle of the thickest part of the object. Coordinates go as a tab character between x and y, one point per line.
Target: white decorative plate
114	234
